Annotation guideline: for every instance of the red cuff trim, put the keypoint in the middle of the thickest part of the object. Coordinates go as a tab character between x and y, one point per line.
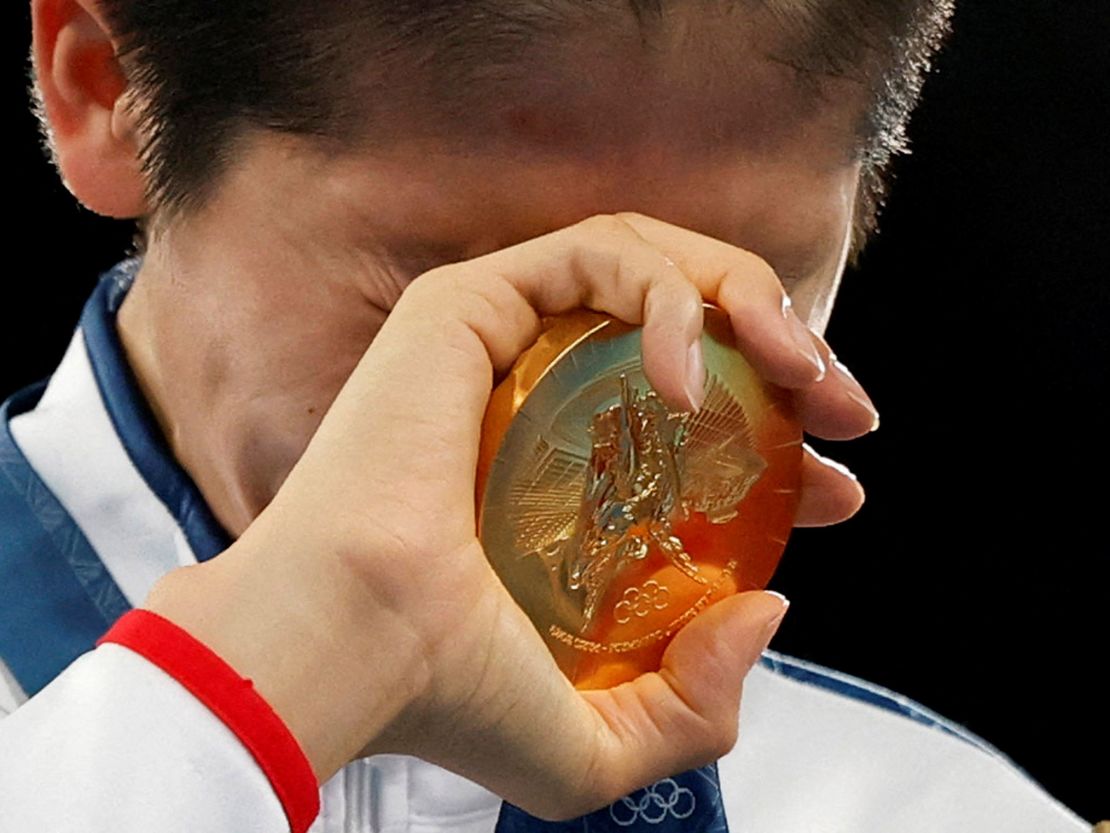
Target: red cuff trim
232	699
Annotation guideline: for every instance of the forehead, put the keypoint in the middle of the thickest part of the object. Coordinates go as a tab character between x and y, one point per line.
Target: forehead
707	82
694	122
690	119
708	78
445	206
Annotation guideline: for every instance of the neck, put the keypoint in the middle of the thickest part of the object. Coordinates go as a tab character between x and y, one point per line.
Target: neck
240	346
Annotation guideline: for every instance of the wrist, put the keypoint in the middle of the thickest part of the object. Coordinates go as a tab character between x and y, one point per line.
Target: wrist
323	662
232	700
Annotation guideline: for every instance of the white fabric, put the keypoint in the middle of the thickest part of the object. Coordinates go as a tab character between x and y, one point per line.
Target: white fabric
836	764
70	423
402	794
12	695
112	746
857	767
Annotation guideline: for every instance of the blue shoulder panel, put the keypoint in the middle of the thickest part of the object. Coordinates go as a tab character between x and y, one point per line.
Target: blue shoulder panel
56	596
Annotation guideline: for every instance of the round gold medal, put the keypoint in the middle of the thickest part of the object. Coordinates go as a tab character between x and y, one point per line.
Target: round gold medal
613	520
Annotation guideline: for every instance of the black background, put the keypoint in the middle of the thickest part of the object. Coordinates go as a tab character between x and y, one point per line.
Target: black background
974	580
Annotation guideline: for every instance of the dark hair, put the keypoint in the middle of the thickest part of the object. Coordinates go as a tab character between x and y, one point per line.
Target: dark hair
205	72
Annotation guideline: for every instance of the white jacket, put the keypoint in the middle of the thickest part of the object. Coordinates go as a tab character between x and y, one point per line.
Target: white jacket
93	511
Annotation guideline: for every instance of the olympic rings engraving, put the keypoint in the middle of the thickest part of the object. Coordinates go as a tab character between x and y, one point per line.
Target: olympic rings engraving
641	601
658	800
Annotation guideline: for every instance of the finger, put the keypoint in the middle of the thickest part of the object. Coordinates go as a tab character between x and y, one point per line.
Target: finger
830	493
686	714
837	407
600	263
768	331
455	326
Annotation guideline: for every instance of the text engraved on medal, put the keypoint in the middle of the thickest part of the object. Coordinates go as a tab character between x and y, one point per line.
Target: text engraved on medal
589	517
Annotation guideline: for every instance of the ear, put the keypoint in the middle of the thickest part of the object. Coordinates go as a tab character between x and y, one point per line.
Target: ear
83	89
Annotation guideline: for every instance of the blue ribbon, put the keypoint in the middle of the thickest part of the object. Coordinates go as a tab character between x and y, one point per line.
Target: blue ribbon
686	803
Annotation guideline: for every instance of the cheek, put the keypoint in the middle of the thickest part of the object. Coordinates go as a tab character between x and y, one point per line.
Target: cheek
813	298
813	301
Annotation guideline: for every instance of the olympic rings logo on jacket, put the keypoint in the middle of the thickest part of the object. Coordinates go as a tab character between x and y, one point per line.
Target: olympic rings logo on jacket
656	802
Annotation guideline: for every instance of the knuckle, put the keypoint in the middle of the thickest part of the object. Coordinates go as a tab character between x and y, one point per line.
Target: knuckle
606	224
478	301
429	287
749	283
475	296
436	275
753	267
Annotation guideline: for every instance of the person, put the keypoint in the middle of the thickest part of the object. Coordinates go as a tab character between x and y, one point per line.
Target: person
375	240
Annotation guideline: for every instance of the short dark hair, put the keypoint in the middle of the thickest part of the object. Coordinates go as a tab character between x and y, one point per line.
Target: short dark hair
206	71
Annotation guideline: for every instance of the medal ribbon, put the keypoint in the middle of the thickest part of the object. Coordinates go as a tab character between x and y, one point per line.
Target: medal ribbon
686	803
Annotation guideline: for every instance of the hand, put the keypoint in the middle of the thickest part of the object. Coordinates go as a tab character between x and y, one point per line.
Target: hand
360	601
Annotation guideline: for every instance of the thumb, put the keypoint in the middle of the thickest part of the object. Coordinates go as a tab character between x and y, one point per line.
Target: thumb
687	714
707	660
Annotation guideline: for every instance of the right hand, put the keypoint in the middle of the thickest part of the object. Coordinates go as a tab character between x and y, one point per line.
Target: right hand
360	601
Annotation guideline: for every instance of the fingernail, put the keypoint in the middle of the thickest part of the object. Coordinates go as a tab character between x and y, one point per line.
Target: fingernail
803	337
785	601
835	464
695	374
855	391
772	626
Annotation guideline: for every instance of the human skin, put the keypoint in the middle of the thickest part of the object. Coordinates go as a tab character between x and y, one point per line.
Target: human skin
360	601
247	316
250	315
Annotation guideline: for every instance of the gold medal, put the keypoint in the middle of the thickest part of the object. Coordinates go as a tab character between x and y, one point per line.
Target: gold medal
613	520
